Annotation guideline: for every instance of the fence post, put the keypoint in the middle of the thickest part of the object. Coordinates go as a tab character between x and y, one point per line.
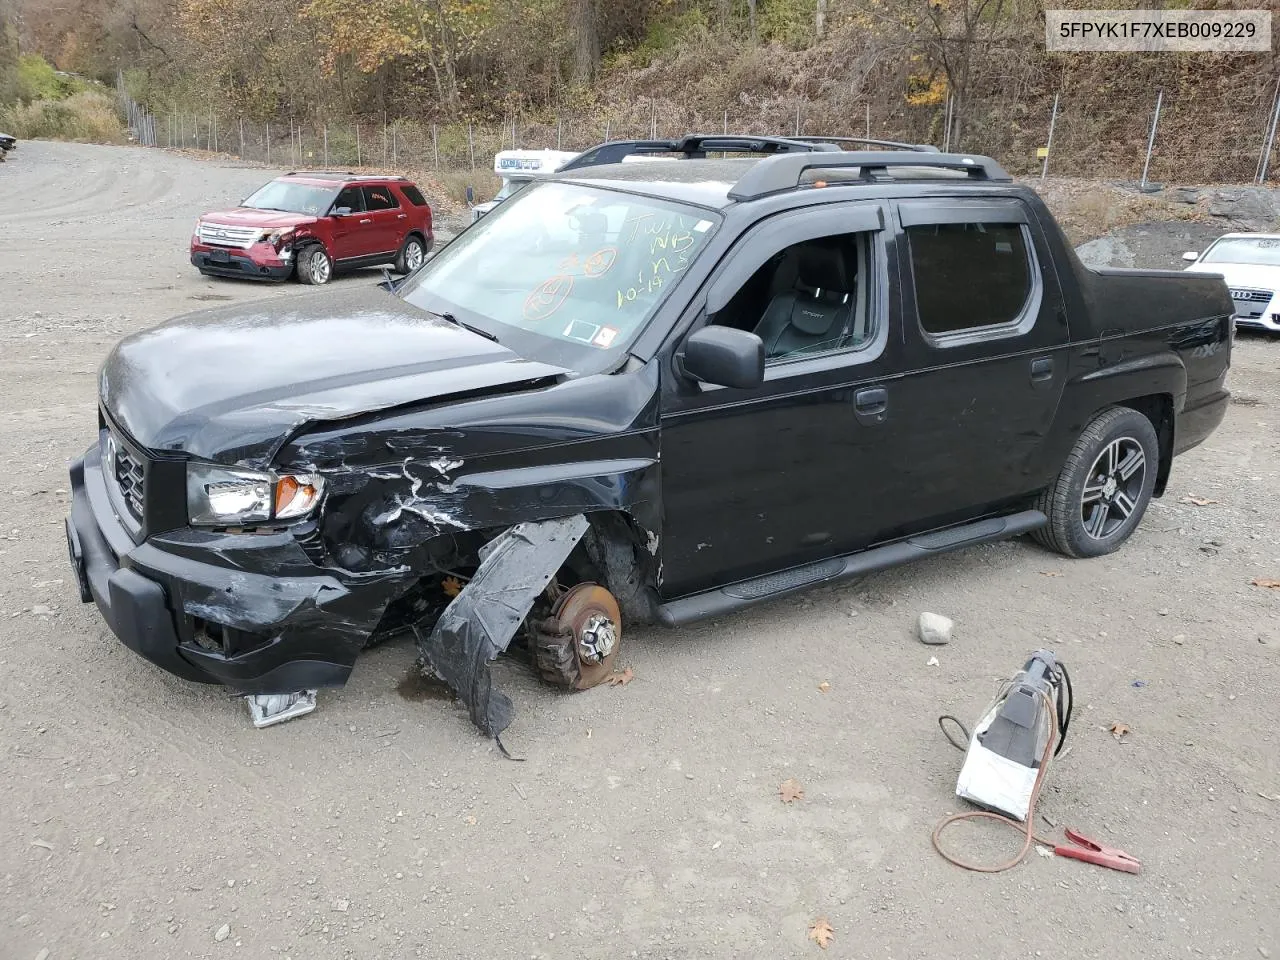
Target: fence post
394	146
946	127
1048	147
653	119
359	157
213	131
471	146
797	119
384	138
326	146
268	143
435	146
868	119
607	124
559	131
1265	159
1151	140
726	120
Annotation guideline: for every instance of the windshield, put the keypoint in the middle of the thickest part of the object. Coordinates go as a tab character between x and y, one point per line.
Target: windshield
293	198
508	188
1264	251
563	273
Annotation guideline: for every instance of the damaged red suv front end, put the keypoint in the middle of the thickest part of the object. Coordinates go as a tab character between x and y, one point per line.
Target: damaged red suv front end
248	243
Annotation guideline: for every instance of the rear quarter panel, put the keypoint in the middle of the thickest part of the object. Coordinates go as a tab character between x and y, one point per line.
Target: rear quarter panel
1156	340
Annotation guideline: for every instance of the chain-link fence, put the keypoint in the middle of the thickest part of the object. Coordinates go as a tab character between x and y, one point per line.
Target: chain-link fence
1226	138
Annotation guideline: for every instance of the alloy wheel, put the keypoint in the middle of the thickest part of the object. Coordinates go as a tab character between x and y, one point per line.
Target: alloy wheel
1114	488
413	255
320	268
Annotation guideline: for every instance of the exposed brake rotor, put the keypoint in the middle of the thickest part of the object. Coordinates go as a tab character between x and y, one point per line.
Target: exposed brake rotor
588	618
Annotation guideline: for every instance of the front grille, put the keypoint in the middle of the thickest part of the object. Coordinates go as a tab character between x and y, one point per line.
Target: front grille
1250	302
130	477
222	235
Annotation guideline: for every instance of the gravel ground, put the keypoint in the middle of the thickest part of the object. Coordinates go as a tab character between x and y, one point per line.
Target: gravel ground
141	816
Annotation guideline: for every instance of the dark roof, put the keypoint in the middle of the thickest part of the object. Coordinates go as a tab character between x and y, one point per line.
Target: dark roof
703	182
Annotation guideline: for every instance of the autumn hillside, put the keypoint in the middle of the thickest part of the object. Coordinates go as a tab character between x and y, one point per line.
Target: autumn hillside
971	74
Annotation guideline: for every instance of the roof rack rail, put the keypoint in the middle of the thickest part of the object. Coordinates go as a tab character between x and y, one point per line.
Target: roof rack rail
695	147
784	173
320	173
896	144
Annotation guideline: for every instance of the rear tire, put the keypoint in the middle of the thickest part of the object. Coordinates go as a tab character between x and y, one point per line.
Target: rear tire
1104	488
314	265
411	254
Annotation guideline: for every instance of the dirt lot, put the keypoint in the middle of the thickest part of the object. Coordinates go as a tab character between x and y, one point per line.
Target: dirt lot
139	814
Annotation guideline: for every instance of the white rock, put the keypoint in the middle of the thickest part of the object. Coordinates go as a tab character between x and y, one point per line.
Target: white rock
224	931
935	629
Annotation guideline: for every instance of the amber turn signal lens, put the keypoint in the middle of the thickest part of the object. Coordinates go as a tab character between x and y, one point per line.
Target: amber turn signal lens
295	496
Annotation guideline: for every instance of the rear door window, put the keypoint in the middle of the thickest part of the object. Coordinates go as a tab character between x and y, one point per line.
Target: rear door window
970	275
380	197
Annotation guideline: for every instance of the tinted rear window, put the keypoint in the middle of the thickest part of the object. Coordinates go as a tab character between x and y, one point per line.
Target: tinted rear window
413	195
969	275
380	197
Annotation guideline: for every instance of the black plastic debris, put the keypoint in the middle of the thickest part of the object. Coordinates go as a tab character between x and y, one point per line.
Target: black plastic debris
515	567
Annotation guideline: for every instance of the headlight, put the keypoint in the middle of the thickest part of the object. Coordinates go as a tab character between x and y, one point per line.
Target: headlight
222	495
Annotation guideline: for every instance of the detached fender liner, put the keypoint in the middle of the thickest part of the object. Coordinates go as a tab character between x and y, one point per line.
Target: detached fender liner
515	567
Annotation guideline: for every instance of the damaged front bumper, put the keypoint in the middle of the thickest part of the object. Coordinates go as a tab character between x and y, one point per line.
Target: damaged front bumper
251	611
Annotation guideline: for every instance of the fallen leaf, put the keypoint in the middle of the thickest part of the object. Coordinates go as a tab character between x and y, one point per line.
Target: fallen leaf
1050	573
821	932
45	844
824	686
1265	582
451	586
1118	730
1197	501
790	790
620	679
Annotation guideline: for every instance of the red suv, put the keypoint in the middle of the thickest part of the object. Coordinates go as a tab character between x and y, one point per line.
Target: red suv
316	223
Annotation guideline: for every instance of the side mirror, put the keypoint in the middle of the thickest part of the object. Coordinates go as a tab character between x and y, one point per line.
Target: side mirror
725	357
471	195
342	211
1191	256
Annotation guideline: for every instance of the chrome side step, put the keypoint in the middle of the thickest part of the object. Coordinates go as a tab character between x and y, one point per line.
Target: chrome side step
735	596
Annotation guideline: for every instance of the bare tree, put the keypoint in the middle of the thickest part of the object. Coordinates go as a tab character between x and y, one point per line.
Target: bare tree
820	19
587	39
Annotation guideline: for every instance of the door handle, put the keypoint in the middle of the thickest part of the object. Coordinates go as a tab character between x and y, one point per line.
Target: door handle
1041	369
871	406
366	220
402	216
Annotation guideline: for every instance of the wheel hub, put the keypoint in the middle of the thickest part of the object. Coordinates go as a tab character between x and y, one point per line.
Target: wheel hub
589	614
597	638
1109	488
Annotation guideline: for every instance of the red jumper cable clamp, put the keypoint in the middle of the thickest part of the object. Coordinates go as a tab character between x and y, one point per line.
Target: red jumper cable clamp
1090	851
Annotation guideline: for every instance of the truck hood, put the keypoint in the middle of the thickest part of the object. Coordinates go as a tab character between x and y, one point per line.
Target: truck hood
233	383
1252	275
252	217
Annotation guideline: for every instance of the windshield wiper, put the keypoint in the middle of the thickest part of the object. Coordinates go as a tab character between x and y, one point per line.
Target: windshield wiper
465	326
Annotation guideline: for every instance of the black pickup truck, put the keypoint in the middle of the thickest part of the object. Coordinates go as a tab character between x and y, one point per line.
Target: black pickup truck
634	392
